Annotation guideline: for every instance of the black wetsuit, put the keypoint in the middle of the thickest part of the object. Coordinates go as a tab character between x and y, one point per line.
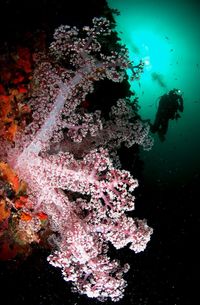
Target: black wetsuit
168	108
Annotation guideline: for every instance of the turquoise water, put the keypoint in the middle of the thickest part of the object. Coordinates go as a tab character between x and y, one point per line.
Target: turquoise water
165	34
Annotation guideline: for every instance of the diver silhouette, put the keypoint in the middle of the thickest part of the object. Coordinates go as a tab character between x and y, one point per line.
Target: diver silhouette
169	106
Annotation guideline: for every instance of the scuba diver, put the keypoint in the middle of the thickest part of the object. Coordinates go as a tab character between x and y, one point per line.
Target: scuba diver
168	108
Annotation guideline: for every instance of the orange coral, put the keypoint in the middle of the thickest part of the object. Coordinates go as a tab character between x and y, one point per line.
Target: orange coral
21	202
14	113
42	216
14	76
4	210
25	216
9	175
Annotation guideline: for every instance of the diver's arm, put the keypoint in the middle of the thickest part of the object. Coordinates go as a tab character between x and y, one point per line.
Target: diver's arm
180	104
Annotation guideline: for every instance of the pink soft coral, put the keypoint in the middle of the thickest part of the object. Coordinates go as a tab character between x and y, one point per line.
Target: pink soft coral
86	199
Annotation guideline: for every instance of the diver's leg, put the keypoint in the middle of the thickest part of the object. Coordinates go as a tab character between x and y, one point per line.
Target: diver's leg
163	130
155	126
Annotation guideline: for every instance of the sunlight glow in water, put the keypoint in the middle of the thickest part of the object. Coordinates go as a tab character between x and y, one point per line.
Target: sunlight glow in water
165	35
